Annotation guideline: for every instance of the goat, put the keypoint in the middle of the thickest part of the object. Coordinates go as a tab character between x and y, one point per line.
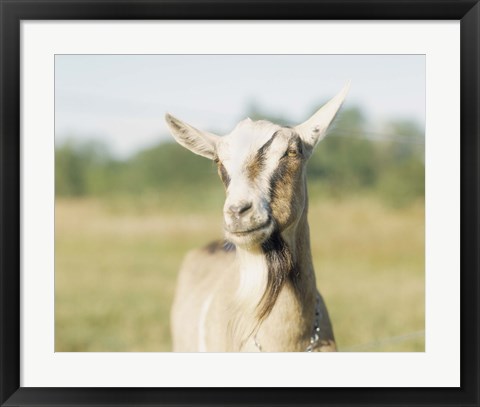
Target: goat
256	290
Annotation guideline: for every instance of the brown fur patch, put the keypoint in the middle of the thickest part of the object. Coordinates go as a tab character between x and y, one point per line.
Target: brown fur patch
223	174
256	164
285	185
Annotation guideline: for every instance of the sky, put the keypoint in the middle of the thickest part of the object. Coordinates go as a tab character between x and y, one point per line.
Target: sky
121	100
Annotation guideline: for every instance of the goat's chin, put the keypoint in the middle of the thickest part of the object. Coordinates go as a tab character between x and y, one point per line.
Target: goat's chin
250	239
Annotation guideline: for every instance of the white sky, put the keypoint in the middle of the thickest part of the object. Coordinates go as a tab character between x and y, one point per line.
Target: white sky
121	99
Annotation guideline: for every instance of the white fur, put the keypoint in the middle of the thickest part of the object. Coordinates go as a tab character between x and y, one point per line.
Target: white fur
239	147
243	143
252	284
202	339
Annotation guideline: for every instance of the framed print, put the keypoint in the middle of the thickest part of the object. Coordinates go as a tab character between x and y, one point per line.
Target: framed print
102	305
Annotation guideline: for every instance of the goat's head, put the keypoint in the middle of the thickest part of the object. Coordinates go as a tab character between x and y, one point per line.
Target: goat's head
262	166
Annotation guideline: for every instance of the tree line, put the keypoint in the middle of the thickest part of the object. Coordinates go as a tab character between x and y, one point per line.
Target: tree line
350	160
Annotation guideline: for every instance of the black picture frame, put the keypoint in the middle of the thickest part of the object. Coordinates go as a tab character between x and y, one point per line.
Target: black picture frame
14	11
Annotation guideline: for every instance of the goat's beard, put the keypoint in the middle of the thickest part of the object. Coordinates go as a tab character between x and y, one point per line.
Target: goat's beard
280	266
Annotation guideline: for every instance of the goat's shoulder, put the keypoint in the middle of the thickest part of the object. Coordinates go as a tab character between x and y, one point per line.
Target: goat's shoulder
208	260
202	272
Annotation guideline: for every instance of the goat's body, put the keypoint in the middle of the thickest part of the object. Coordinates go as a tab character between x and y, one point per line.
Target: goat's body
205	303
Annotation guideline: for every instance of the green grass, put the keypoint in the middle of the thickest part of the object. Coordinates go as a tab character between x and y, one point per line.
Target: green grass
116	264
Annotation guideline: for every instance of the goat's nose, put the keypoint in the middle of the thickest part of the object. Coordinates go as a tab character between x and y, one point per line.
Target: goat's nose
240	209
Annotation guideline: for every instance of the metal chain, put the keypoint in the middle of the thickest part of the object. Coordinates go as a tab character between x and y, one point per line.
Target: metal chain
314	339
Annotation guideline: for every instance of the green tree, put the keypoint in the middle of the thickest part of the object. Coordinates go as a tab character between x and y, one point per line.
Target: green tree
78	167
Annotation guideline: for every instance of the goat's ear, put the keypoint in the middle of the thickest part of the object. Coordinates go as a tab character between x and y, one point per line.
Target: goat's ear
199	142
315	128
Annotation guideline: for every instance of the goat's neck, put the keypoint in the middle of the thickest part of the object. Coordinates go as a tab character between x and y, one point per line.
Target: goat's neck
289	323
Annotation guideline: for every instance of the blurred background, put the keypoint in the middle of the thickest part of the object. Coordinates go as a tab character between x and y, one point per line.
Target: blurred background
130	203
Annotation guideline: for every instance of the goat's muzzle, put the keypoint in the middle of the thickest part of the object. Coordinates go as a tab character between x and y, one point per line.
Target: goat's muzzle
246	225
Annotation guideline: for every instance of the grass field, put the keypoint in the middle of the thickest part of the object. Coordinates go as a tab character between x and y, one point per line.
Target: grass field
116	266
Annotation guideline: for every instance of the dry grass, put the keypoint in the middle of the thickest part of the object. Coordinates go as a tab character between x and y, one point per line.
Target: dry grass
116	269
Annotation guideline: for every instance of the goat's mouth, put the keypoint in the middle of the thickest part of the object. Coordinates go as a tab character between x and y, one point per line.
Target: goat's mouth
249	236
243	232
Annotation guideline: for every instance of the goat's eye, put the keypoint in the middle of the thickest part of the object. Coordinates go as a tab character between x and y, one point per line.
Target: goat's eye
292	153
